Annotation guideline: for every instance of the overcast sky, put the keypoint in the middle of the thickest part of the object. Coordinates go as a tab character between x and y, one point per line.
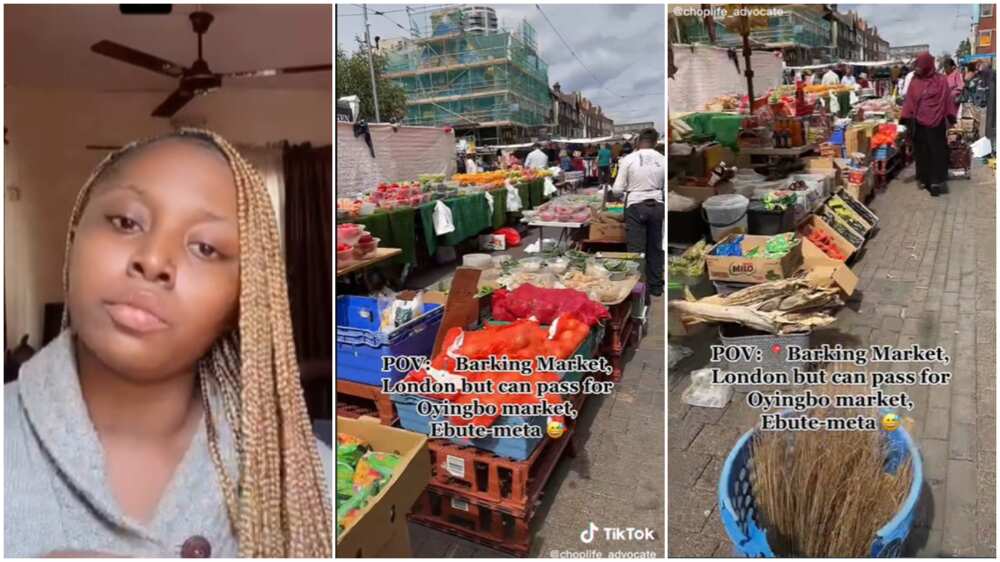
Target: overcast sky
621	45
942	26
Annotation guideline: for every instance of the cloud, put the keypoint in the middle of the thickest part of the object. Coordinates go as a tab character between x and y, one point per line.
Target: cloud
621	45
942	26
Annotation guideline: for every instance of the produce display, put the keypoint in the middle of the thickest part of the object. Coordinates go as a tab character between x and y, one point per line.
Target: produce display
824	242
690	264
361	474
573	270
546	305
522	340
830	218
775	247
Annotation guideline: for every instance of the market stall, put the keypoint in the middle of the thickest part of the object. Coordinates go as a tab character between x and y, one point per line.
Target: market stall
570	314
769	213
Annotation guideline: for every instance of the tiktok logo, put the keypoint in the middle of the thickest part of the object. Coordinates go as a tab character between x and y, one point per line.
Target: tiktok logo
587	536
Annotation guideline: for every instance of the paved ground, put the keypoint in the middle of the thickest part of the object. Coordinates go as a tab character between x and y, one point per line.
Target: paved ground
928	277
616	479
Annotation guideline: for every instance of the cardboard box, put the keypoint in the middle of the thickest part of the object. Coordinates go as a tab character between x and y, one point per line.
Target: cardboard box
752	270
607	231
839	241
381	529
856	139
493	242
860	191
824	271
827	166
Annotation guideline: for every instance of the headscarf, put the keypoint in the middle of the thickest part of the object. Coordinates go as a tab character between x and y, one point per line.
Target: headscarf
928	98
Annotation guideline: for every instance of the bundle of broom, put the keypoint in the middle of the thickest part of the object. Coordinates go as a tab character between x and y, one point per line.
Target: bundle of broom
825	493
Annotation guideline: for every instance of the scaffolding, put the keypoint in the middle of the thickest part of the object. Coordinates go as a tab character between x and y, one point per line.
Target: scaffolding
460	68
802	26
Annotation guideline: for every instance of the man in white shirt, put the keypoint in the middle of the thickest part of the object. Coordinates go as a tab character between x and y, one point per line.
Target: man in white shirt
641	178
831	78
536	159
848	79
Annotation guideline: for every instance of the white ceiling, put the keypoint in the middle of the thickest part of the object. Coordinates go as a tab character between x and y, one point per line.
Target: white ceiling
49	45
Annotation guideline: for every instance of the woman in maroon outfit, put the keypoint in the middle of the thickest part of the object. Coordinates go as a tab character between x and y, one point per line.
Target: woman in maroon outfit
928	111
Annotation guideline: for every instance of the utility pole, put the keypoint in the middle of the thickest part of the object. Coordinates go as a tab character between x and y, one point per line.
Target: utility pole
371	65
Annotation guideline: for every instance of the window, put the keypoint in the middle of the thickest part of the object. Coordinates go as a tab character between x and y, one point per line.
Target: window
986	11
986	38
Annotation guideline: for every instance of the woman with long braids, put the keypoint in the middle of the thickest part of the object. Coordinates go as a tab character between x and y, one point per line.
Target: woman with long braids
168	418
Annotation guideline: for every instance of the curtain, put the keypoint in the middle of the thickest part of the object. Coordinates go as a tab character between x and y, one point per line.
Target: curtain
308	217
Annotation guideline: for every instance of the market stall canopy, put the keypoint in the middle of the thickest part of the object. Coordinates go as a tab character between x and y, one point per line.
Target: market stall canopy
401	153
704	72
869	64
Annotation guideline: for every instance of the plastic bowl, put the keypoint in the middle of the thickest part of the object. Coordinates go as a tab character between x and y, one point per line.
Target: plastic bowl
557	266
345	256
530	265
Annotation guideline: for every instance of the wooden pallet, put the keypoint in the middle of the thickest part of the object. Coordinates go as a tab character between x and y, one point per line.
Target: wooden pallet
620	333
509	486
365	397
491	528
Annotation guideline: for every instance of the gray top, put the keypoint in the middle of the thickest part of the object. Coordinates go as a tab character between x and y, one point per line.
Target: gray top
56	495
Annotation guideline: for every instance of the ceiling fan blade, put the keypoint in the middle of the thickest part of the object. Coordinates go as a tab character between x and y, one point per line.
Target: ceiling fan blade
278	71
173	104
137	58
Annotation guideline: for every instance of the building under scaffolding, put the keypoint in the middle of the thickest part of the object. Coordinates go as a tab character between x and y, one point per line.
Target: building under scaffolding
801	32
461	69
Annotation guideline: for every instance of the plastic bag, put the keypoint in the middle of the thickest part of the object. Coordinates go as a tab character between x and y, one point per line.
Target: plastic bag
677	354
550	188
704	394
546	305
513	198
443	223
512	237
489	200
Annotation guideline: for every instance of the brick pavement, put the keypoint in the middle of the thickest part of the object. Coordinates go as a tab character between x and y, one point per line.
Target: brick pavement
616	479
927	277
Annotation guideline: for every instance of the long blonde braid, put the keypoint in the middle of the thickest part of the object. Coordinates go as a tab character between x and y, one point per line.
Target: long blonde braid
279	507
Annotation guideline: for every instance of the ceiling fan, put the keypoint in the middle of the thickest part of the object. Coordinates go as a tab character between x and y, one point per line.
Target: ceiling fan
195	80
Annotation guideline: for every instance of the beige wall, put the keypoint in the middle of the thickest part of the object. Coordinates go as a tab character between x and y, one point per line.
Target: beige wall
46	162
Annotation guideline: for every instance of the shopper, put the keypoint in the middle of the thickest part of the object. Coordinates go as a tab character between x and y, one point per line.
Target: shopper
537	159
565	163
641	179
604	164
808	78
953	76
831	78
929	109
863	80
848	79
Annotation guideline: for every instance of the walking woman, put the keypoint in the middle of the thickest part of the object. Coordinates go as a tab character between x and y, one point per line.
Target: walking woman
929	109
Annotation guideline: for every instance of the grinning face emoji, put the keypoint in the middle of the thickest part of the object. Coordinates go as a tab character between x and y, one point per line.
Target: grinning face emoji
890	422
555	429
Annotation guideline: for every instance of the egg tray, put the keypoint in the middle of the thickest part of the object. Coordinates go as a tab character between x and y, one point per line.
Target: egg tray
494	482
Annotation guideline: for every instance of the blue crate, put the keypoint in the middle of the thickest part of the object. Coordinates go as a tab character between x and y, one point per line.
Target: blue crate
739	510
517	449
838	136
883	153
361	346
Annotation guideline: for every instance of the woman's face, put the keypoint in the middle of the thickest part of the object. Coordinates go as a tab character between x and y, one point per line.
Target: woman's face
154	269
